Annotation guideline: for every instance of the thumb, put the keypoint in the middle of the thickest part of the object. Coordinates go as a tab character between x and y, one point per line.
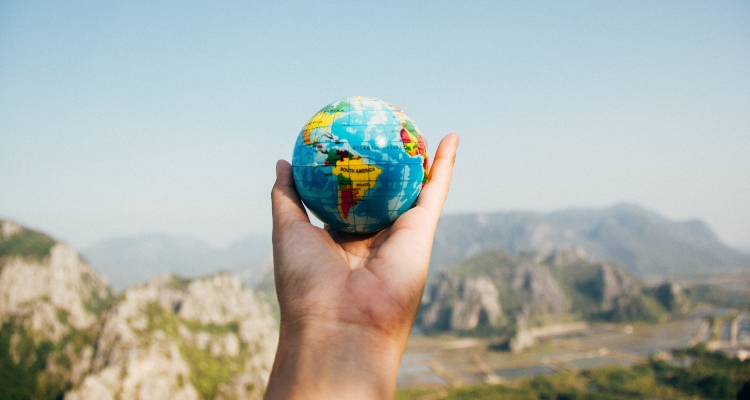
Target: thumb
286	205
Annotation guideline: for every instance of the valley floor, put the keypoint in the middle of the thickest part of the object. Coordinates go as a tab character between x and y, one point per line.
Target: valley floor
449	361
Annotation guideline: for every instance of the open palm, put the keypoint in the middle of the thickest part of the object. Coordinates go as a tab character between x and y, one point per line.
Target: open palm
333	285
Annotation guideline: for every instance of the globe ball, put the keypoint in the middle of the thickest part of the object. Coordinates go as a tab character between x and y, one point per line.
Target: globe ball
359	164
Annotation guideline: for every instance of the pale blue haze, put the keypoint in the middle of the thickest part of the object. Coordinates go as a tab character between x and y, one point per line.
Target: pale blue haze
118	118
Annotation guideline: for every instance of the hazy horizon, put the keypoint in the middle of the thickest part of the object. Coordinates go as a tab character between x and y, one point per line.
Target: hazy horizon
123	119
255	235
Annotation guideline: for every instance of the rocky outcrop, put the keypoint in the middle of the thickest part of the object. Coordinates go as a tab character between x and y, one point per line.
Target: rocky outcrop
461	300
522	338
479	305
546	295
672	297
49	298
63	334
61	284
518	294
617	288
174	338
620	297
462	305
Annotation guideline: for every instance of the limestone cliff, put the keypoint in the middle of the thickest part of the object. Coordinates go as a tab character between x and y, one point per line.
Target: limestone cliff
488	290
463	304
512	293
672	297
63	334
50	303
180	339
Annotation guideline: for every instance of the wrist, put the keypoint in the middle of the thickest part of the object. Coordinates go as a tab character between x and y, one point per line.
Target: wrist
335	359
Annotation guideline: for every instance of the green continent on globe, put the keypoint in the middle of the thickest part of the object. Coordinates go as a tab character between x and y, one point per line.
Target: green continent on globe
359	163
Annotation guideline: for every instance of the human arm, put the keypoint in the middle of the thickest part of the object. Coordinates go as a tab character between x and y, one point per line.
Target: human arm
348	302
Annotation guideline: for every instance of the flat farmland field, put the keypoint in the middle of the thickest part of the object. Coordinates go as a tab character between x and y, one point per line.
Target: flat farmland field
453	361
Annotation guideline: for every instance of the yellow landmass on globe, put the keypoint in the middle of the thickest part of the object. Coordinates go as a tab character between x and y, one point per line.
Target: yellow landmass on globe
355	179
322	119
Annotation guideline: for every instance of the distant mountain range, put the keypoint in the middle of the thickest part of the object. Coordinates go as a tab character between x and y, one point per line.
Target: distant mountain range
647	244
129	260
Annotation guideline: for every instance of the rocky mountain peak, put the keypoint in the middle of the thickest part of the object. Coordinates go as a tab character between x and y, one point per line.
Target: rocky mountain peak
202	338
511	292
463	304
546	294
49	299
167	338
9	228
61	284
616	287
672	296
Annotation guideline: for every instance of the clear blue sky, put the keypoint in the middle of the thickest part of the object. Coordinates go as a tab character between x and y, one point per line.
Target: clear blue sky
120	118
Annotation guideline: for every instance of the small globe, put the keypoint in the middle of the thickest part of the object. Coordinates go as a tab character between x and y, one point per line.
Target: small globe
359	163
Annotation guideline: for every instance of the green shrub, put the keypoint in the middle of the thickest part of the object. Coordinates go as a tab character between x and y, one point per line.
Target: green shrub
24	379
26	244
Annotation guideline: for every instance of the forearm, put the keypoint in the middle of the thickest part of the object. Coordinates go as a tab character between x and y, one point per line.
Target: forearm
335	361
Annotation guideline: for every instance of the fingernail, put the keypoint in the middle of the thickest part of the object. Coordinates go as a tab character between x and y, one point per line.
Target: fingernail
278	168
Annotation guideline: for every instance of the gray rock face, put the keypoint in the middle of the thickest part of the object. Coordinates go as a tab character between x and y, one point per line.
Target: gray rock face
523	337
671	296
168	338
617	289
52	297
480	305
60	283
462	302
171	338
519	293
462	305
546	295
9	228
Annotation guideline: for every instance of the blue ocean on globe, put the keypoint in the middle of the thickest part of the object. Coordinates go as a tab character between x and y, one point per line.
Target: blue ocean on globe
359	163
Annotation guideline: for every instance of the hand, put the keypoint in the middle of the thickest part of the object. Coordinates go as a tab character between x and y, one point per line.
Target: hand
348	301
